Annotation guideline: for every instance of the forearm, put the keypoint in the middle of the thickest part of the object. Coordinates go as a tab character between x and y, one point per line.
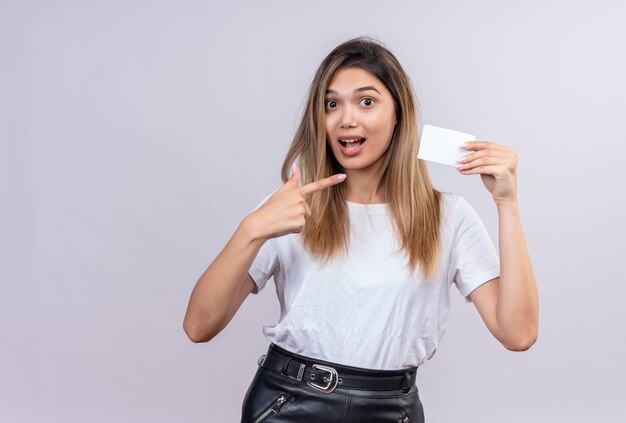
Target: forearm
517	308
215	297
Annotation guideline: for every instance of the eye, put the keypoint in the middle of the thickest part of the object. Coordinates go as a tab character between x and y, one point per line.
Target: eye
327	102
369	99
331	104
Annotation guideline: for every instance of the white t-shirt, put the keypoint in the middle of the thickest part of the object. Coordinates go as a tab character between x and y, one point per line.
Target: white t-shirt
365	310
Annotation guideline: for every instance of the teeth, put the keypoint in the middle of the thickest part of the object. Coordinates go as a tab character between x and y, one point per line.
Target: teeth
355	140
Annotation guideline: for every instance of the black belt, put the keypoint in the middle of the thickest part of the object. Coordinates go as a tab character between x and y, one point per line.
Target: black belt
325	376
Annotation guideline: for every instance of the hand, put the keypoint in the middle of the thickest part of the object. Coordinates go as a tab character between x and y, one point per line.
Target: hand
286	210
497	166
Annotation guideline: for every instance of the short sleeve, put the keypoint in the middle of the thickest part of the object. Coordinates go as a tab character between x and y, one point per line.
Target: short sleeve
473	256
266	260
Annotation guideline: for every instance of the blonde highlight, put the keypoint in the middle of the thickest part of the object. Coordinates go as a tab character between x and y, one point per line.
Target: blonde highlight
414	205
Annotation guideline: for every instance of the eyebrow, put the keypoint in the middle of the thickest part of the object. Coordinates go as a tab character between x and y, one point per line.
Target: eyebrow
366	88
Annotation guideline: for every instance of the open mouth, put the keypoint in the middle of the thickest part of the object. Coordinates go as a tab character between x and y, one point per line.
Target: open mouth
352	143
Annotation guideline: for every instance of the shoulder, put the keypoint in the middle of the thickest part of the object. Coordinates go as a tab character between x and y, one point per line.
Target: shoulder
456	203
457	211
450	201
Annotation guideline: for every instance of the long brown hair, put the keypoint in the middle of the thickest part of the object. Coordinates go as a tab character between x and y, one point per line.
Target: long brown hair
412	202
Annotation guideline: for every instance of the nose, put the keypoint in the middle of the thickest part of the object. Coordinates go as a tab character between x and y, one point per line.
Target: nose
347	118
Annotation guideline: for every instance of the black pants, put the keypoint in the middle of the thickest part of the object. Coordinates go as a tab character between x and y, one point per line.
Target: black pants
276	397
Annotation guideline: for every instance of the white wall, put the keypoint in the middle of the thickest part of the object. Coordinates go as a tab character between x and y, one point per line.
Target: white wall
135	136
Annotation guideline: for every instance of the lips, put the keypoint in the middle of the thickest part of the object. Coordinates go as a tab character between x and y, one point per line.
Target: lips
351	149
348	140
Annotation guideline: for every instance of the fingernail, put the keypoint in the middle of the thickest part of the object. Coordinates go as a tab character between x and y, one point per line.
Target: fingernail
341	176
293	168
465	144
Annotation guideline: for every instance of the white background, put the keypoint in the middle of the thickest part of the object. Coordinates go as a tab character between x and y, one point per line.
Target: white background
135	136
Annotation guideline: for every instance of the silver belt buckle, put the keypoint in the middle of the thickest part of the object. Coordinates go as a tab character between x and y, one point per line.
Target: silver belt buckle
331	383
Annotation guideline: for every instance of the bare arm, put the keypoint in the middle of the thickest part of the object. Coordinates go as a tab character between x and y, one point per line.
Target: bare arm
517	309
509	304
224	285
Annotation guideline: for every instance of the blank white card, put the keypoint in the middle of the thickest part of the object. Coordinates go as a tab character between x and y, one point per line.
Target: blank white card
443	145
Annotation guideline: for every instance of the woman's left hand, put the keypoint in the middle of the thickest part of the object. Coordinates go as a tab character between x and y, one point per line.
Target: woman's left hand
497	166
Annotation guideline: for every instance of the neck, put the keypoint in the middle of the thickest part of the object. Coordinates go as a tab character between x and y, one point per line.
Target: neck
360	188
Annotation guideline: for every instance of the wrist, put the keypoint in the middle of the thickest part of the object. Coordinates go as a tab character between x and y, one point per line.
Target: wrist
251	229
507	206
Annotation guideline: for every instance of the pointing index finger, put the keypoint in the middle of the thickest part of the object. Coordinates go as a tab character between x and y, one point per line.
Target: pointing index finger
322	183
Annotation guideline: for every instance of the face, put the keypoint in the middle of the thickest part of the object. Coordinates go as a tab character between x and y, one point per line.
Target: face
358	106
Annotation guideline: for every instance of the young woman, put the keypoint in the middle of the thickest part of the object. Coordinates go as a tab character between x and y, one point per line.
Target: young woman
363	251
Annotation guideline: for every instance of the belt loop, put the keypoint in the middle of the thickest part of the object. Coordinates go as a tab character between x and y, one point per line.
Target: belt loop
407	383
286	365
261	360
301	371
